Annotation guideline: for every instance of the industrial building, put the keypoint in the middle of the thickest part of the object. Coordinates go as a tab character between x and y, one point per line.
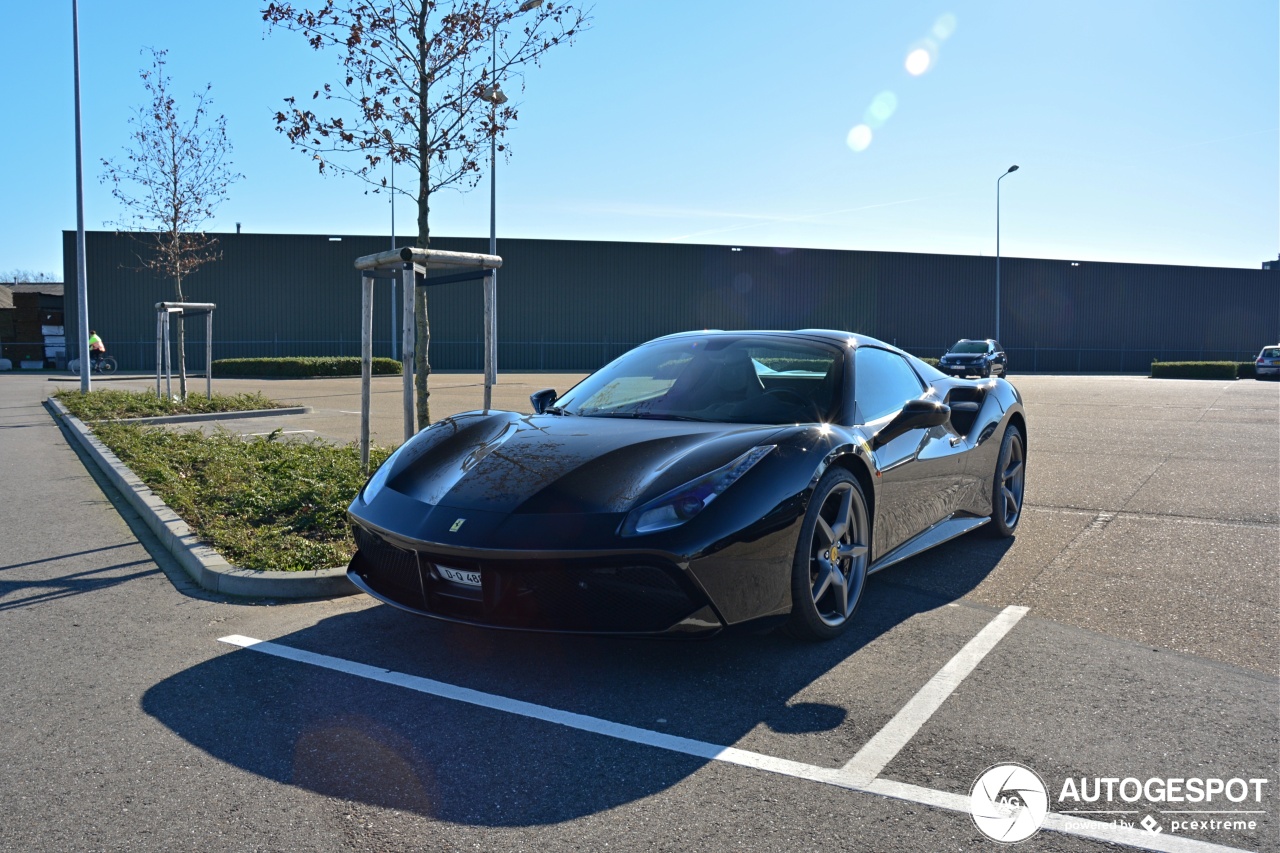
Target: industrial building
575	304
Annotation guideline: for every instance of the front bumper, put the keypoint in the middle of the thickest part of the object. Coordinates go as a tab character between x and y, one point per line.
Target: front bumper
963	370
617	593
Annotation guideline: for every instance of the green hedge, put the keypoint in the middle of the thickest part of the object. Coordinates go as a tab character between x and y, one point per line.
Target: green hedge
1194	369
932	362
301	366
1247	370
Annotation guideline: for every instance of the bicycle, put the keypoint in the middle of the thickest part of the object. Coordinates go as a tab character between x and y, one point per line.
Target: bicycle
106	365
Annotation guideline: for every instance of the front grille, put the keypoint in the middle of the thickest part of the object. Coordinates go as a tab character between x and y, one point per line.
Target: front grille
388	569
615	595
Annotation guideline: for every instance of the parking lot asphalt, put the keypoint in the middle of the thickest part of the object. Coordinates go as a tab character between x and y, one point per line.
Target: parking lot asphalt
1146	561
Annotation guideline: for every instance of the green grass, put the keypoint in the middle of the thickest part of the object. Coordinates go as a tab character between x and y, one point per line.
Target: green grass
263	503
100	405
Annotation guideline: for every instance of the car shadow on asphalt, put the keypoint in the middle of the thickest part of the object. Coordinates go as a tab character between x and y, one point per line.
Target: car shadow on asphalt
343	736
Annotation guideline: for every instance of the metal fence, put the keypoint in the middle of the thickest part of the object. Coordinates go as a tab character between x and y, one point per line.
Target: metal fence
587	355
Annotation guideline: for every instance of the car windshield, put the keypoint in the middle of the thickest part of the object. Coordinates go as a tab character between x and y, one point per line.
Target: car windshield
1271	352
748	379
969	347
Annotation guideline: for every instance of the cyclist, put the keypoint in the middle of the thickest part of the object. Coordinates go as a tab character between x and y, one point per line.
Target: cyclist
98	348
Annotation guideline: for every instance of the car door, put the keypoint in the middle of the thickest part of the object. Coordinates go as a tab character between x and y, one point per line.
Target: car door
919	470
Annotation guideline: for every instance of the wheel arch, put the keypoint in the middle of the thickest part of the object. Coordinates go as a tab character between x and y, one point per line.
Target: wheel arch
857	466
1017	419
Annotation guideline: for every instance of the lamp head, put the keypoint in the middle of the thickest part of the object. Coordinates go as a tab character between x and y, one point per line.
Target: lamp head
1012	169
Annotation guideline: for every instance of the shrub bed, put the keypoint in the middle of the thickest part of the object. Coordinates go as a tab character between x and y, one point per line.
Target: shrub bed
296	366
1247	370
262	503
1194	369
99	405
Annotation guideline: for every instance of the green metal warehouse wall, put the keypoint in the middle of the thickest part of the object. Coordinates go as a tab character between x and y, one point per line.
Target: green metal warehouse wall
572	305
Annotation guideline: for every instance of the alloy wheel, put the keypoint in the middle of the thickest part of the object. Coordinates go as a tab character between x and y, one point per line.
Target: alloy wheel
1011	482
838	561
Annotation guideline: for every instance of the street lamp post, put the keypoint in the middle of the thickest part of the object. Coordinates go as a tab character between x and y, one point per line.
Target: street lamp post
1008	172
82	285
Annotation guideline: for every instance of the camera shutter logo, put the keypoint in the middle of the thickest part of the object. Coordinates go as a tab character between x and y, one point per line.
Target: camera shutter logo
1008	803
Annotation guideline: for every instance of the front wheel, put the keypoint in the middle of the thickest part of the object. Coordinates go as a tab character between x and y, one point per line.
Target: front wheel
1008	484
830	566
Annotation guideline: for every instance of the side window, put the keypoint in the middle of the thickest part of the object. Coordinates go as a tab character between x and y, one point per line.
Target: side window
883	383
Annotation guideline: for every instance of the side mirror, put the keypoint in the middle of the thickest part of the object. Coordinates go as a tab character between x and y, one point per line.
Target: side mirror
542	400
916	414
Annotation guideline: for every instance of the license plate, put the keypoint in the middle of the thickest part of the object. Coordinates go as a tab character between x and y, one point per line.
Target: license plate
459	576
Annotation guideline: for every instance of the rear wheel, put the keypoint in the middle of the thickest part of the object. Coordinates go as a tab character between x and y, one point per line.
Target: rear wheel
830	566
108	365
1009	484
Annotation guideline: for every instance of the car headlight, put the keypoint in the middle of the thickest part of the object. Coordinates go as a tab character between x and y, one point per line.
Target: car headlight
684	502
379	478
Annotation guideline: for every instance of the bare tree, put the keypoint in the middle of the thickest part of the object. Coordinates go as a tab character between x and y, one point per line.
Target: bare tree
173	176
420	85
17	276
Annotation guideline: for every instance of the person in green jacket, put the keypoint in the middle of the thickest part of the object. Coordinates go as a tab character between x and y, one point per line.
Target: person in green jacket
98	348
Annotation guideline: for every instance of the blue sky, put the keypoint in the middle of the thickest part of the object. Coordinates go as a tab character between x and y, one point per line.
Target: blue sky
1145	131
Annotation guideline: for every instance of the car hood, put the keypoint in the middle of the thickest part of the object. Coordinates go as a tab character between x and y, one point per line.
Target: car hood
510	463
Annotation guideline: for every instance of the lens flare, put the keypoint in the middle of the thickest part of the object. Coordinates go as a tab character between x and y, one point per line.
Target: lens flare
918	61
944	27
882	107
859	138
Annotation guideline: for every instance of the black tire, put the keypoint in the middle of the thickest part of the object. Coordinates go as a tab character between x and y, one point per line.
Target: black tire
108	366
829	571
1008	486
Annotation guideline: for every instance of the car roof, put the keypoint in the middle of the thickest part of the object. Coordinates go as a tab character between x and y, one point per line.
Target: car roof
833	336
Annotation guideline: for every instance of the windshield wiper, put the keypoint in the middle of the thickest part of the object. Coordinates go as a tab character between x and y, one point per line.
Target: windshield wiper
645	416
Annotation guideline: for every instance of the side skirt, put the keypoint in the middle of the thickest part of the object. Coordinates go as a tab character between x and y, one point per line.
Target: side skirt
948	528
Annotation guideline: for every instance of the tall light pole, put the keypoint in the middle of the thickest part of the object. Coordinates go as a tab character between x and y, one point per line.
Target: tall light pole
82	284
495	97
391	159
1008	172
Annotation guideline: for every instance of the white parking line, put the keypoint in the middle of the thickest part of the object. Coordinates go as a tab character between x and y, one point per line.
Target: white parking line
889	741
1079	827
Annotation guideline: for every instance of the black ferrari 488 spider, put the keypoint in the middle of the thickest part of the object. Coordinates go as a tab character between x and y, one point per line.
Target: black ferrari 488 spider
701	480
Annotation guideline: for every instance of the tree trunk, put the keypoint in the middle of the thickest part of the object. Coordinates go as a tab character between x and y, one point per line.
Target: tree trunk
182	346
422	325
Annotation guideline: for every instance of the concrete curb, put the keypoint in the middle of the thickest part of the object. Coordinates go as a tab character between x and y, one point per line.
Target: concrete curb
205	565
214	416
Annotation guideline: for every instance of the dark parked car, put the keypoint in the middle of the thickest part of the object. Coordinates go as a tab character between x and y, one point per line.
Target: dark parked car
1268	363
699	481
975	358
